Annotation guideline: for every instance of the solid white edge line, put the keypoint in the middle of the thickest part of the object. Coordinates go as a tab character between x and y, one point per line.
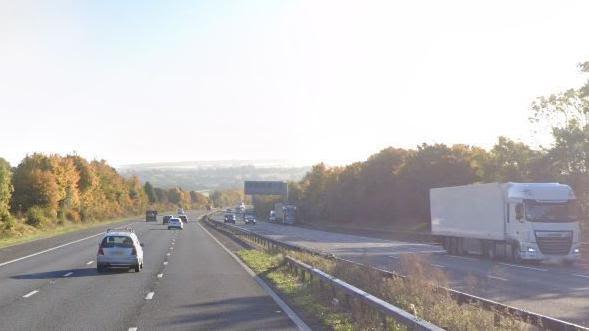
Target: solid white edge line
521	266
52	248
132	329
149	296
579	275
68	274
301	325
438	265
30	294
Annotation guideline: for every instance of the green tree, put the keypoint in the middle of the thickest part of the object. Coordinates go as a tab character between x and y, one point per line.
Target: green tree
175	196
6	189
150	192
429	167
511	161
161	195
566	115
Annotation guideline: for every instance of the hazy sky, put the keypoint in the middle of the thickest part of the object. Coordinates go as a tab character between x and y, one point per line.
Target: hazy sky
144	81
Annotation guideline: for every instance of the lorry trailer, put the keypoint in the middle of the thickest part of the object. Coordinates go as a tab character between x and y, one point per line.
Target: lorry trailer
521	221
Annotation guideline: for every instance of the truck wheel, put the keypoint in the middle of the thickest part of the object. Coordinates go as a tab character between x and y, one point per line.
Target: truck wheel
446	244
460	247
453	246
516	254
490	251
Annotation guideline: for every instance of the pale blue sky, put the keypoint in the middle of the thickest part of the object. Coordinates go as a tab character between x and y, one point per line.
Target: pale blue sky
308	81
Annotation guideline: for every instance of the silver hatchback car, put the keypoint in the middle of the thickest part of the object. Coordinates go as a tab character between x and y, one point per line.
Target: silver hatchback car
119	249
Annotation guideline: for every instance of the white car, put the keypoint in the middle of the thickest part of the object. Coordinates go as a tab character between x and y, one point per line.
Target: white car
175	223
119	249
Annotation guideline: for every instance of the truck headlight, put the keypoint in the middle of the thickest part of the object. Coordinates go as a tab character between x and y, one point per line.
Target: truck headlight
531	250
576	251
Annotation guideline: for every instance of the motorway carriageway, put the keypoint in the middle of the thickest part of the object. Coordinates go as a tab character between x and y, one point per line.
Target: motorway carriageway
553	290
189	282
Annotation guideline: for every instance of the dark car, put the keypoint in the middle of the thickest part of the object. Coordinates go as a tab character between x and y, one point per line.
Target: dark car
230	218
250	219
167	218
151	216
183	218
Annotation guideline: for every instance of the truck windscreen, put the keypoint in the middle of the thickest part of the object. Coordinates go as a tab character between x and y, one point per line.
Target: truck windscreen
549	212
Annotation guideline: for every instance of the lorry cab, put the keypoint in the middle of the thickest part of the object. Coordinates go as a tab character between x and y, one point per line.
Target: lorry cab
541	221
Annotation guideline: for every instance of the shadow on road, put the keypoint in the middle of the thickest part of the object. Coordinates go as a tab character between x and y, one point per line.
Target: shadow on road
254	312
82	272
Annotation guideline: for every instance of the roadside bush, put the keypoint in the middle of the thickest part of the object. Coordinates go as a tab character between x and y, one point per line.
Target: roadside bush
38	217
73	216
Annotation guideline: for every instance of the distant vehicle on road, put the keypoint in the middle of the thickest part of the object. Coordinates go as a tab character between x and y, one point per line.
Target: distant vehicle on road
240	209
119	249
183	218
250	219
167	219
285	213
522	221
151	216
272	216
175	223
230	218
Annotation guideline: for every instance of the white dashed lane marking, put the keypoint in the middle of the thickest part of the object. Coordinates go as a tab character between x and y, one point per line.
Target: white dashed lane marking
160	275
68	274
522	267
497	278
89	262
438	265
30	294
583	276
149	296
165	262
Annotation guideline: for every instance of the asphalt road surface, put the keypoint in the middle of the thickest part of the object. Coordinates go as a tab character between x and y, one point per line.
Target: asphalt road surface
188	283
553	290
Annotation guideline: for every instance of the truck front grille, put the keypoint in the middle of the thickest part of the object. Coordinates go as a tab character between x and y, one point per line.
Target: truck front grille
554	242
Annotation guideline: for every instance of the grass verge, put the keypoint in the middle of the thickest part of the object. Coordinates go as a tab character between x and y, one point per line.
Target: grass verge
312	303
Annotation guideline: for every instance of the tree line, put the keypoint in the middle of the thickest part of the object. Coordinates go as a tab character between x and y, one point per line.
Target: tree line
393	184
46	190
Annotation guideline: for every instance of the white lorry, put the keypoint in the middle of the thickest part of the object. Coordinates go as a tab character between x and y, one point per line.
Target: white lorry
522	221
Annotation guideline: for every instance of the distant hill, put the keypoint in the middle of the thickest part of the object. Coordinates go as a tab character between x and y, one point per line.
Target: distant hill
211	175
